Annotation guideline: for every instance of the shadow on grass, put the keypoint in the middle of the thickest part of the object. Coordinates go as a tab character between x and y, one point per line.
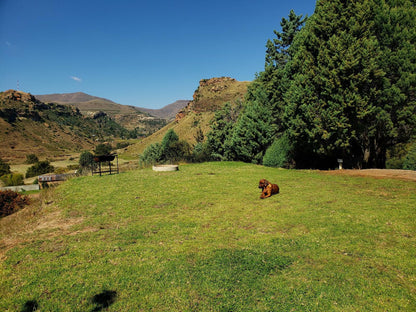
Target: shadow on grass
30	306
104	300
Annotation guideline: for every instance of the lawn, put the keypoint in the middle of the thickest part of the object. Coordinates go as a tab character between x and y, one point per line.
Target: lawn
201	239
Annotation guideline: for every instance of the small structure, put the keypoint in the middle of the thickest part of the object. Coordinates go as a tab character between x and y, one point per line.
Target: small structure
340	161
165	168
51	179
106	160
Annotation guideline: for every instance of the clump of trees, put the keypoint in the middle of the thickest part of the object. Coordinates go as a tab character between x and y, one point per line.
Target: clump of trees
339	84
4	168
39	168
170	150
32	159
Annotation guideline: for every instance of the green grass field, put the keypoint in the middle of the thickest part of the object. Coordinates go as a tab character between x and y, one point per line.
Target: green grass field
200	239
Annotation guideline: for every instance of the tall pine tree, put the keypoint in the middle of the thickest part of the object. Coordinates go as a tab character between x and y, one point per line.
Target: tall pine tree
254	130
337	104
278	54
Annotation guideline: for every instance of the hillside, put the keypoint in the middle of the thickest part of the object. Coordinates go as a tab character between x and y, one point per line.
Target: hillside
131	117
29	126
210	96
168	112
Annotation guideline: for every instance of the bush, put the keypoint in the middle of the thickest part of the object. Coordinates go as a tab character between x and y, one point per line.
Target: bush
151	155
12	179
86	160
410	159
4	168
201	152
170	150
278	154
11	202
39	168
31	159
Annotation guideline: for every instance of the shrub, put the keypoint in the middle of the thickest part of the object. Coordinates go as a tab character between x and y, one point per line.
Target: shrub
4	168
11	202
86	160
171	149
201	152
151	155
410	160
12	179
39	168
31	159
278	154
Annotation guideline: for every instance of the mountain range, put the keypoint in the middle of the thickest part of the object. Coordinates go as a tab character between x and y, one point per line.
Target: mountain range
88	103
59	125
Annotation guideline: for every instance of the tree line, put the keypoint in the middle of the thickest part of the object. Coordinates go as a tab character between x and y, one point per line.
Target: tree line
338	84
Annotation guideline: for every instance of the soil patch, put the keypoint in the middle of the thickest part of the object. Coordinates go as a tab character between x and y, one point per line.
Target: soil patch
406	175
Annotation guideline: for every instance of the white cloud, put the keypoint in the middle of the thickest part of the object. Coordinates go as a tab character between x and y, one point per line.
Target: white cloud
8	44
77	79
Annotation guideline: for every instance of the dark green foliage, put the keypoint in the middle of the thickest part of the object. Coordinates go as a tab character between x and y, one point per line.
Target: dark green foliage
151	155
86	161
170	150
278	54
4	168
219	138
39	168
349	95
410	159
11	202
201	152
31	159
279	153
168	145
102	149
254	130
12	179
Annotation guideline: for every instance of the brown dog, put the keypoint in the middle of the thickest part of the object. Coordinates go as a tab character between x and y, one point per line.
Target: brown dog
268	189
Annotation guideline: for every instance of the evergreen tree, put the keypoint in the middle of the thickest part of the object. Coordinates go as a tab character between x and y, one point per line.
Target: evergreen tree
395	28
218	138
168	145
278	54
337	104
86	161
4	168
254	130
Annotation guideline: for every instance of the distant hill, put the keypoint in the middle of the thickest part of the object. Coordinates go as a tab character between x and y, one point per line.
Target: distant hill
210	96
30	126
130	117
168	112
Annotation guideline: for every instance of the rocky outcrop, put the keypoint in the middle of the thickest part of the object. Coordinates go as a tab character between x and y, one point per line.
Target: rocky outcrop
20	96
213	93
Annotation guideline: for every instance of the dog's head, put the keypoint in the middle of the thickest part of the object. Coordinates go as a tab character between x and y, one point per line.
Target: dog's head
263	183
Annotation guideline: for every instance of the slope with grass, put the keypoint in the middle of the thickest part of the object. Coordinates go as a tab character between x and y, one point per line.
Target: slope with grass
200	239
128	116
210	96
29	126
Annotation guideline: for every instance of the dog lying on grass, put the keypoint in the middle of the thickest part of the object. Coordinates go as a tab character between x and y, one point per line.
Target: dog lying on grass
268	189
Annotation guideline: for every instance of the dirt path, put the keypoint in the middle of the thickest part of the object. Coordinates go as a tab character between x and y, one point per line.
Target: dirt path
407	175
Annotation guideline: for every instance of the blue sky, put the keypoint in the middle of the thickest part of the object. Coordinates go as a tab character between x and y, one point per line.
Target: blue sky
141	53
